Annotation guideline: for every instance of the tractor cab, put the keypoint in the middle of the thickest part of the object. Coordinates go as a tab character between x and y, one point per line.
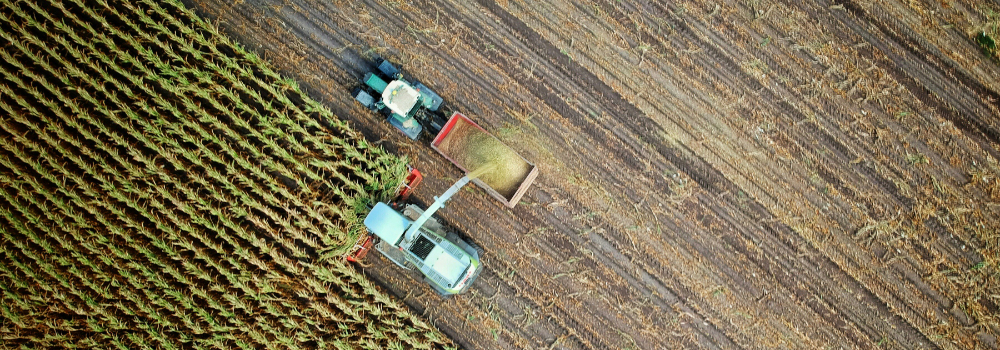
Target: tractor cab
387	224
400	98
409	105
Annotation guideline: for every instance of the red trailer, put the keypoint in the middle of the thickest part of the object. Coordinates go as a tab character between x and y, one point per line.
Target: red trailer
469	146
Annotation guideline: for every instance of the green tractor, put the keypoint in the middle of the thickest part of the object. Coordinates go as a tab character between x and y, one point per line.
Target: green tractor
409	106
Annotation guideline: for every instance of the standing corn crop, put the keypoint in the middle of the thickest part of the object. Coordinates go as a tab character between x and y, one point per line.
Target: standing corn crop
160	187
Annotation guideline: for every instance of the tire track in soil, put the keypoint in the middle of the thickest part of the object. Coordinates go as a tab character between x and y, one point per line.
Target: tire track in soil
510	289
598	131
814	134
925	78
553	100
594	129
567	107
822	134
881	181
828	137
563	318
899	68
617	105
604	250
304	18
518	285
700	171
569	322
419	306
490	286
515	285
906	273
548	299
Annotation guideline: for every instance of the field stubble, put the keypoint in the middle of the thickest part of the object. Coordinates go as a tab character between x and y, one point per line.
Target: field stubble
715	174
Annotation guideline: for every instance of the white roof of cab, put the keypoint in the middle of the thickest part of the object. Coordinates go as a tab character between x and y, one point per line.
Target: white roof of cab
400	97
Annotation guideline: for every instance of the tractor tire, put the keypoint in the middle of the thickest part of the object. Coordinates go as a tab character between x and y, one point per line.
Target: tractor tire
469	247
387	68
364	98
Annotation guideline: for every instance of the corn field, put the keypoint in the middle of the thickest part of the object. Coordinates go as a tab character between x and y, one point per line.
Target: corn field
162	188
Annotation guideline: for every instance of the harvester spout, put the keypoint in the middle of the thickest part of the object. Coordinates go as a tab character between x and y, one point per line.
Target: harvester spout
439	201
438	204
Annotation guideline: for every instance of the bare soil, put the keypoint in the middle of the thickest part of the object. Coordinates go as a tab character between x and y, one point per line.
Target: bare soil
727	174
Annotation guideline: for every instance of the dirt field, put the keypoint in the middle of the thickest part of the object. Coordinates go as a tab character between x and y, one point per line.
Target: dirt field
725	174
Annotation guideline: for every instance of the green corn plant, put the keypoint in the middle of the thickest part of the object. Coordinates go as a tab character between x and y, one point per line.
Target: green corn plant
116	342
178	10
43	263
60	259
18	284
289	102
54	292
139	341
272	145
67	245
36	277
9	314
146	271
292	219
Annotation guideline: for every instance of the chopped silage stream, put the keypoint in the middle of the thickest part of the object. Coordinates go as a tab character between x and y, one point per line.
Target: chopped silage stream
473	149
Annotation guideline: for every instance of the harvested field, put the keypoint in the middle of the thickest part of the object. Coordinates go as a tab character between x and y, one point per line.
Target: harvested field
164	189
723	174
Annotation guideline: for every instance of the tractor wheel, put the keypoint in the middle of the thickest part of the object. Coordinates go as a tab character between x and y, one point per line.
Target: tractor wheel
387	68
364	98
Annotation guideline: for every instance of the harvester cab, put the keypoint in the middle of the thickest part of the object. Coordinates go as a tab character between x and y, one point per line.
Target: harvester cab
410	106
413	239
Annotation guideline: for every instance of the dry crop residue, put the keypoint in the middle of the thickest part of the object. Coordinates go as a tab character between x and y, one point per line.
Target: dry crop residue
714	174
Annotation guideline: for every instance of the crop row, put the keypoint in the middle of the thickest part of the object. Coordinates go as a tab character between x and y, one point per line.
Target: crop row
162	188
